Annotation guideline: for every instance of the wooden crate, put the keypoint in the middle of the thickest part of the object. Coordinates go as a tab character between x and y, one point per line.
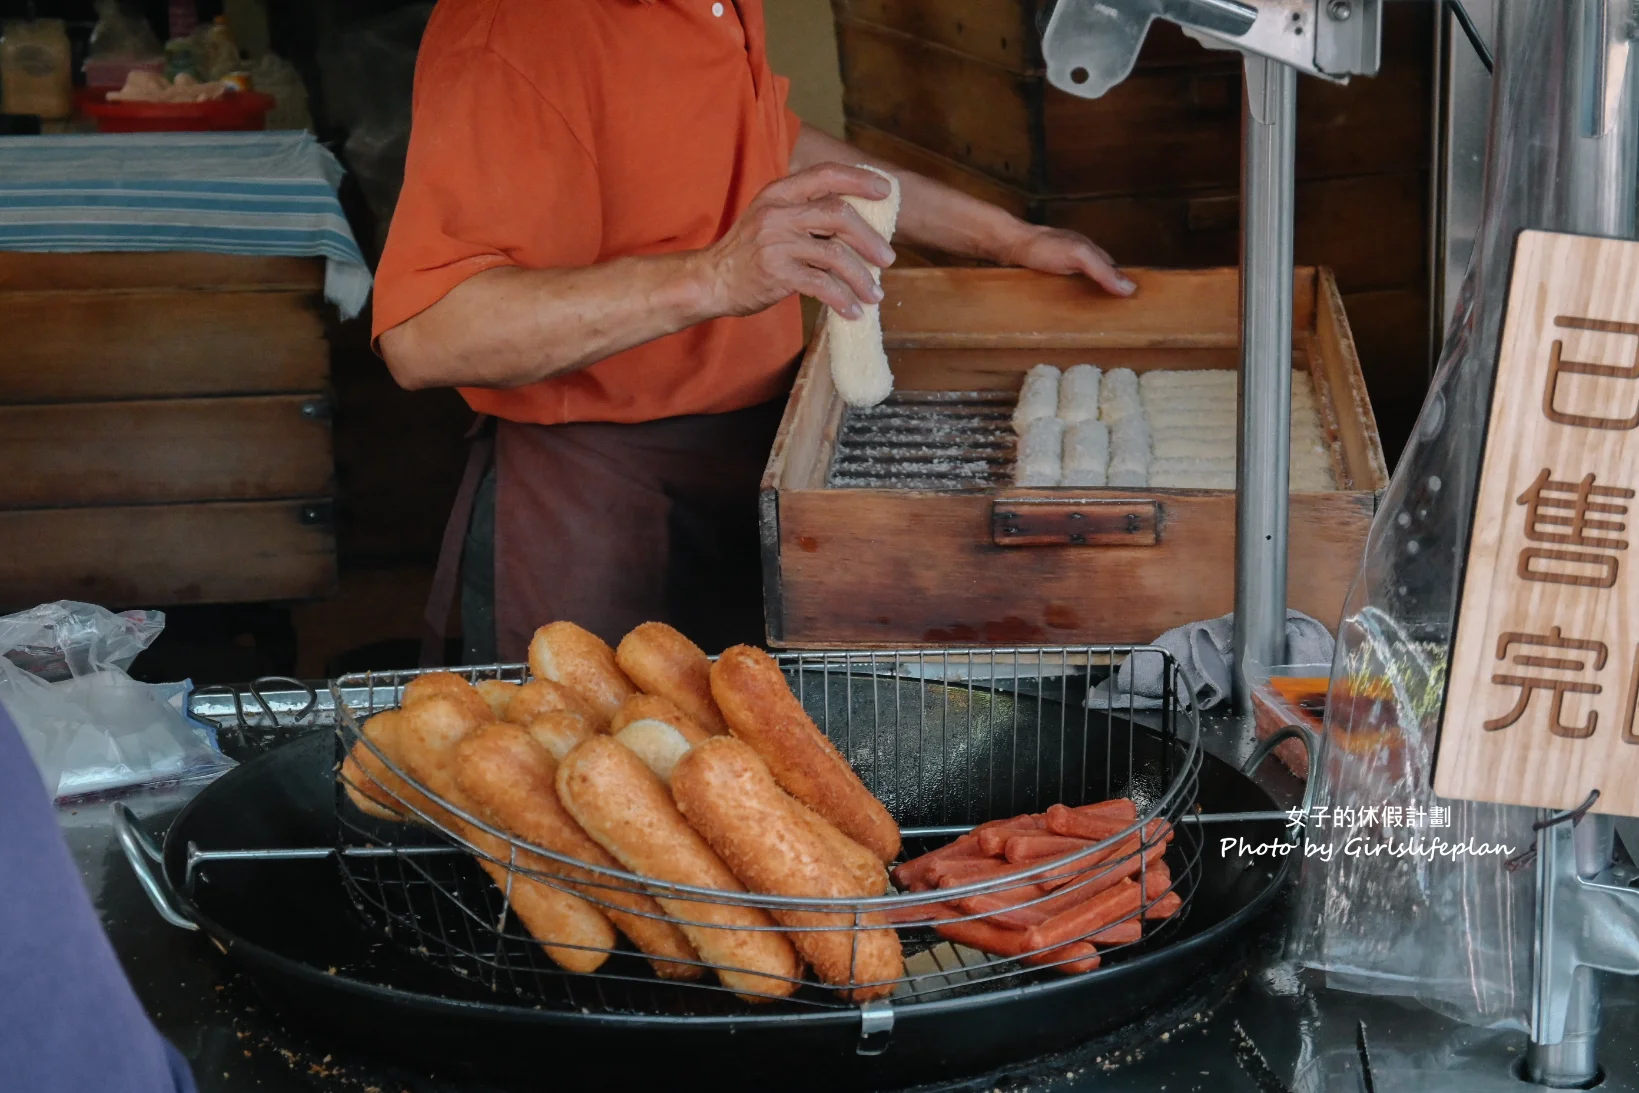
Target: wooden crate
956	89
165	425
901	567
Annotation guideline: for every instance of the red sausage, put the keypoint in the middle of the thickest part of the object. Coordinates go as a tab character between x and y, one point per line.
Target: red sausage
1102	910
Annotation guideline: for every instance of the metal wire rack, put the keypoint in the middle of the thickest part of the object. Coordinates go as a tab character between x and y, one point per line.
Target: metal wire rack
947	740
927	440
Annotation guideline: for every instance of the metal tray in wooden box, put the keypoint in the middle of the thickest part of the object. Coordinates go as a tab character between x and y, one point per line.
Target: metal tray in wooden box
959	556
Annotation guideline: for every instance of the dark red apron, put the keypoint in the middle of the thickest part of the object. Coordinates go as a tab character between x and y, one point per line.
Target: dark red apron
612	525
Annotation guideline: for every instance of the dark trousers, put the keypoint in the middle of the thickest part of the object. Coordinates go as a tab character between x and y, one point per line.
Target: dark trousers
610	526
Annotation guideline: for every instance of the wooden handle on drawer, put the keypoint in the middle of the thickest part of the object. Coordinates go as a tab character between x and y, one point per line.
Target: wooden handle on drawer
1053	521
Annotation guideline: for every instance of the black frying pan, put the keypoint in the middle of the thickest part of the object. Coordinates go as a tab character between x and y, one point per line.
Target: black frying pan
291	927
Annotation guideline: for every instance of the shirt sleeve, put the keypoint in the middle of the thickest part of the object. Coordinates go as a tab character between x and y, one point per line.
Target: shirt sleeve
495	176
793	124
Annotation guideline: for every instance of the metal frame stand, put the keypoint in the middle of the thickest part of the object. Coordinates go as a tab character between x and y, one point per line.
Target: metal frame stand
1264	442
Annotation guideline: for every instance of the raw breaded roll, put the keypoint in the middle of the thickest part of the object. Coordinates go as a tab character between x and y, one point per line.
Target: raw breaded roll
540	696
761	710
450	686
571	931
627	810
661	661
1040	453
1118	395
859	364
559	731
727	794
657	731
513	781
1038	397
499	693
1078	393
1086	454
583	662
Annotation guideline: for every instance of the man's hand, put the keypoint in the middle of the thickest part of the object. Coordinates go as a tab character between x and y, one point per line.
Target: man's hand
798	235
1055	250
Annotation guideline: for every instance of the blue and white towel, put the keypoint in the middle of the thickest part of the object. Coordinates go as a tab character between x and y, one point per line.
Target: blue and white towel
228	193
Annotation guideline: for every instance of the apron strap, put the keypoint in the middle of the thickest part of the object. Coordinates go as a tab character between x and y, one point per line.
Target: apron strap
447	577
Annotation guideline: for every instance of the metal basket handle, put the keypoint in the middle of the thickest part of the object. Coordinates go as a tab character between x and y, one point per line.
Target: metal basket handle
1267	746
142	855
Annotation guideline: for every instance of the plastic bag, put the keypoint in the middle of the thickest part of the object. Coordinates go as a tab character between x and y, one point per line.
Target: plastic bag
368	73
1454	931
273	75
121	35
89	725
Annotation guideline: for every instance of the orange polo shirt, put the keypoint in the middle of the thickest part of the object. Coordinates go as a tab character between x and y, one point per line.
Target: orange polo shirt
563	133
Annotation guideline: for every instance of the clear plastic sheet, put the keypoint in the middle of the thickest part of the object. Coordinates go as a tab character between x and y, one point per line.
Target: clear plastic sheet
368	70
89	725
1454	932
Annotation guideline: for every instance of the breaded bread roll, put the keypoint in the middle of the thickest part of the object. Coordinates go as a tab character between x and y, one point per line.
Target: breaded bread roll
583	662
513	781
727	794
571	931
657	731
499	693
761	710
450	686
559	731
661	661
540	696
625	809
373	789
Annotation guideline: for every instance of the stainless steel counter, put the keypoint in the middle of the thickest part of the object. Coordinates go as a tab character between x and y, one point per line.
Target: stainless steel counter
1270	1032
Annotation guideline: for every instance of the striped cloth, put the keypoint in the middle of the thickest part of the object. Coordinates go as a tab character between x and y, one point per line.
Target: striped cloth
228	193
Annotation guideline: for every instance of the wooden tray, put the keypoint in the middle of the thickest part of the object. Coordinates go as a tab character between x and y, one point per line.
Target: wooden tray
911	567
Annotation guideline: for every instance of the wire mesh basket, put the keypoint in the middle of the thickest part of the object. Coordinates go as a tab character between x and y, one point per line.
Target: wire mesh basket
947	740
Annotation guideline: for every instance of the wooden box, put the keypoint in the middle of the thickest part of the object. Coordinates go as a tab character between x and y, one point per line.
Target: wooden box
872	566
956	89
165	429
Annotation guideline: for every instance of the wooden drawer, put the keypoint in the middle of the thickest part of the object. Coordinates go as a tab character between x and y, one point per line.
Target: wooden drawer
849	566
1166	127
142	452
158	555
88	327
73	345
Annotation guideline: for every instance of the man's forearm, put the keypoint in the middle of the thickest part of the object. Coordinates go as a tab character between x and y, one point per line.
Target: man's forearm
508	327
931	213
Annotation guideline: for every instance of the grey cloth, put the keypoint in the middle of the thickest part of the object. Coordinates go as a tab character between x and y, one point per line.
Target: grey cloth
1203	651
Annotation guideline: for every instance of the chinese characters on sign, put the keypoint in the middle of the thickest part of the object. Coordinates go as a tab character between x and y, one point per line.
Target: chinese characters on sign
1544	675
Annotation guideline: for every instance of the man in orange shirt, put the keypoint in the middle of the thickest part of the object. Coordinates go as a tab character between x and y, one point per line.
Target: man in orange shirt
608	214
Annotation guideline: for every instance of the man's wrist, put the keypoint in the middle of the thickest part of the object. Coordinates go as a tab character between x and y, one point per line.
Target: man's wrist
1010	239
695	291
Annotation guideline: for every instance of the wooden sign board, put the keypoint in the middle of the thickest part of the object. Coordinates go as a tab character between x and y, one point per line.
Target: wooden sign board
1543	700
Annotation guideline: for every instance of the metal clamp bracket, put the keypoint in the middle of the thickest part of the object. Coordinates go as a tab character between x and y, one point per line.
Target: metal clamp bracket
1092	45
1022	522
1582	923
875	1027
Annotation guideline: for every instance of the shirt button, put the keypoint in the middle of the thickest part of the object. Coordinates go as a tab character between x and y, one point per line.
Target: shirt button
717	10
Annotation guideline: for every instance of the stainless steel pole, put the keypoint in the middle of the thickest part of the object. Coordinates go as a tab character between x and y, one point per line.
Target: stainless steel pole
1264	448
1572	1062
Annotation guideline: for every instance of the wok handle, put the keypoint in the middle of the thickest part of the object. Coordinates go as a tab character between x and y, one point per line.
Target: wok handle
142	855
1268	744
